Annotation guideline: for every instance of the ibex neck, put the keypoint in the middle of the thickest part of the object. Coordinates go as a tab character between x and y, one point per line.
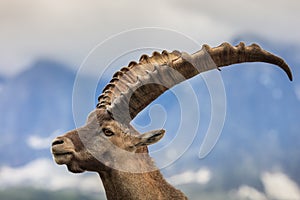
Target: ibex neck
138	186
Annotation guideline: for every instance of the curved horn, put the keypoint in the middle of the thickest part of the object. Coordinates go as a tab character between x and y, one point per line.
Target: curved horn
134	87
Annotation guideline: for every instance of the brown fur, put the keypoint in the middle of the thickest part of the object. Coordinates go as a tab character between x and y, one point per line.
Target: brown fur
140	186
138	179
110	146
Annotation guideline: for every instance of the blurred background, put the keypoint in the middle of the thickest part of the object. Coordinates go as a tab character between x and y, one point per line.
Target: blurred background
44	43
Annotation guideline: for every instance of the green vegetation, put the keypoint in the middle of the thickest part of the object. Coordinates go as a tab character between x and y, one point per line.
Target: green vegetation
195	192
192	190
38	194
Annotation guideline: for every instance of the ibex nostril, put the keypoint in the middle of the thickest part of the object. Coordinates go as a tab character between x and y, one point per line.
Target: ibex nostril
58	141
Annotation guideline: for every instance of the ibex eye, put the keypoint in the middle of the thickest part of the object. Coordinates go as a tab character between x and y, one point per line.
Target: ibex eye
107	132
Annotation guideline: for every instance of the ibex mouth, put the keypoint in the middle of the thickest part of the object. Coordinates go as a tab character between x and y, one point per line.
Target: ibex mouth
62	153
62	157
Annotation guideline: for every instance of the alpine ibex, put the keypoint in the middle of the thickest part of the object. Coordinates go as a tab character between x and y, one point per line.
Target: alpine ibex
109	145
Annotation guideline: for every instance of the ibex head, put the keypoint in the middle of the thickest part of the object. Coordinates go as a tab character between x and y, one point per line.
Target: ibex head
108	140
101	143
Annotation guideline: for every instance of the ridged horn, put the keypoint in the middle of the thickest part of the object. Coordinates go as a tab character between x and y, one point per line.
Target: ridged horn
136	86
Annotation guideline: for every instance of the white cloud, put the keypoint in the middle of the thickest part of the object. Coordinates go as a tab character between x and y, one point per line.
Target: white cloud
45	174
248	193
67	30
239	15
202	176
279	186
38	142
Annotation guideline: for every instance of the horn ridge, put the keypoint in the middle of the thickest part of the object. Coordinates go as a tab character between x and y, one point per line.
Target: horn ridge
140	83
226	54
133	73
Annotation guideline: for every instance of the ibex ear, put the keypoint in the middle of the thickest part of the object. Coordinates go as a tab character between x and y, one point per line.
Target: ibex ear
148	138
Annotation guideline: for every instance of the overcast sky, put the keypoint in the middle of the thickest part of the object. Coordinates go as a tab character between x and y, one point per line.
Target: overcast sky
67	30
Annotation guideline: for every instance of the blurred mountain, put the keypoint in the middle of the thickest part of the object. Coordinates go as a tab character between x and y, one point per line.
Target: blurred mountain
2	79
36	102
261	128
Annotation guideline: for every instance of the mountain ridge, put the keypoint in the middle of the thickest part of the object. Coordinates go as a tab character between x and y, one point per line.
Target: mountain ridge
261	106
